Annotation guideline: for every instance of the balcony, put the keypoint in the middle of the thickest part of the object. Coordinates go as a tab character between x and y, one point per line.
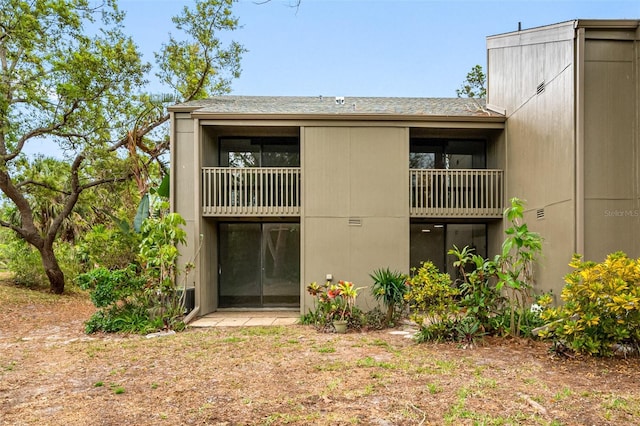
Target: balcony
251	191
275	191
461	193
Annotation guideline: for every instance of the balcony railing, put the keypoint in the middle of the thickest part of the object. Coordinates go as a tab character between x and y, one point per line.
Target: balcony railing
264	191
461	193
274	191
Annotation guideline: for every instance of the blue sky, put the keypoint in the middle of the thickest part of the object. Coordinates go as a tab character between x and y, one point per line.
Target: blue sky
366	47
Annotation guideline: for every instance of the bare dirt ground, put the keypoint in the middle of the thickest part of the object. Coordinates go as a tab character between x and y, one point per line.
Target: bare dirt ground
52	373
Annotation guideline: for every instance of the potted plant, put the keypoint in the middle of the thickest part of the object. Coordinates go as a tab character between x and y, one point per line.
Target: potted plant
344	294
336	303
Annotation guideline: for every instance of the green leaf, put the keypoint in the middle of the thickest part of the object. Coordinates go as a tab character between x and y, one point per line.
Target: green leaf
142	213
163	189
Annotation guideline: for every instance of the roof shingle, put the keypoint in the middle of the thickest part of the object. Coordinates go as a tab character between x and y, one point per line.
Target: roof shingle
323	105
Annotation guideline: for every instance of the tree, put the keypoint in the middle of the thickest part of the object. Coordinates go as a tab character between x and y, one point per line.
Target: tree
474	85
69	75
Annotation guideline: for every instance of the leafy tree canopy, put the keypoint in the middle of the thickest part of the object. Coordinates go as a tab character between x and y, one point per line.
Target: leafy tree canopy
474	85
69	74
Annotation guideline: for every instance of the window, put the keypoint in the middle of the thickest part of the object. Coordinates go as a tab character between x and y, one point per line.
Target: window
447	154
260	152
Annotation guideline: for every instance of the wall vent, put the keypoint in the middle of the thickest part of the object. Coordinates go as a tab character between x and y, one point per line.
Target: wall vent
355	221
540	214
540	88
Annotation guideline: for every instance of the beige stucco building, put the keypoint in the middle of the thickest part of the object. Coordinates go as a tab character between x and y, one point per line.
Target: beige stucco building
278	192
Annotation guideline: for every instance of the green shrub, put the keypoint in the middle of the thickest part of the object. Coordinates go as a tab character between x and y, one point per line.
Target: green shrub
108	287
528	320
141	297
389	287
431	298
25	263
440	331
375	319
128	318
477	305
602	307
468	330
118	295
108	248
479	298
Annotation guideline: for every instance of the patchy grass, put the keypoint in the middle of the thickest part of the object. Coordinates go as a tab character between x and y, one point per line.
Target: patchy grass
289	375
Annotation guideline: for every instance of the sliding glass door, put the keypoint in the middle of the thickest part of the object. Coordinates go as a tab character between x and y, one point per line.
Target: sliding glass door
432	241
259	265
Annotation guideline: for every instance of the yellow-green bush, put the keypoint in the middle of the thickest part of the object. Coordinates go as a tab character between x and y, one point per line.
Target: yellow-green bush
602	306
431	295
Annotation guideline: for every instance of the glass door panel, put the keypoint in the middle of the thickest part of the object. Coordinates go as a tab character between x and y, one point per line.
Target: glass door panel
281	264
427	243
240	265
432	241
461	235
259	265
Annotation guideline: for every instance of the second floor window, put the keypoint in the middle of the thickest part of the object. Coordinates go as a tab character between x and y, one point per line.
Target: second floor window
447	154
260	152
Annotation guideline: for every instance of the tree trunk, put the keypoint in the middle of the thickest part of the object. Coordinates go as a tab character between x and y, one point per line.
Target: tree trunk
390	309
52	269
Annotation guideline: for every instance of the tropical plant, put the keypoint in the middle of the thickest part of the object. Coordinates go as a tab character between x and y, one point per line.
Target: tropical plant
601	311
333	302
478	295
143	296
111	287
431	296
468	330
389	287
514	265
476	304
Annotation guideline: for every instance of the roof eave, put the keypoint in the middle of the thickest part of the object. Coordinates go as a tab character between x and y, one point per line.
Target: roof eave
204	115
183	108
630	24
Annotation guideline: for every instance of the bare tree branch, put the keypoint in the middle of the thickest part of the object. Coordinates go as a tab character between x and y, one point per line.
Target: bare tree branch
105	181
11	226
42	185
40	131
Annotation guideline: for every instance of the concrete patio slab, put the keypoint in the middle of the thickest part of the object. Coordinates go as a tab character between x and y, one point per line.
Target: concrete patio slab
245	318
205	322
233	322
258	322
286	321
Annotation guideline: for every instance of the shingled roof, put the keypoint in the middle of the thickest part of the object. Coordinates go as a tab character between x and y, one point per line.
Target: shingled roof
337	106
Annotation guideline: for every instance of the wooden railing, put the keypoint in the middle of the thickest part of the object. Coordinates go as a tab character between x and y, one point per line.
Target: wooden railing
462	193
275	191
251	191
